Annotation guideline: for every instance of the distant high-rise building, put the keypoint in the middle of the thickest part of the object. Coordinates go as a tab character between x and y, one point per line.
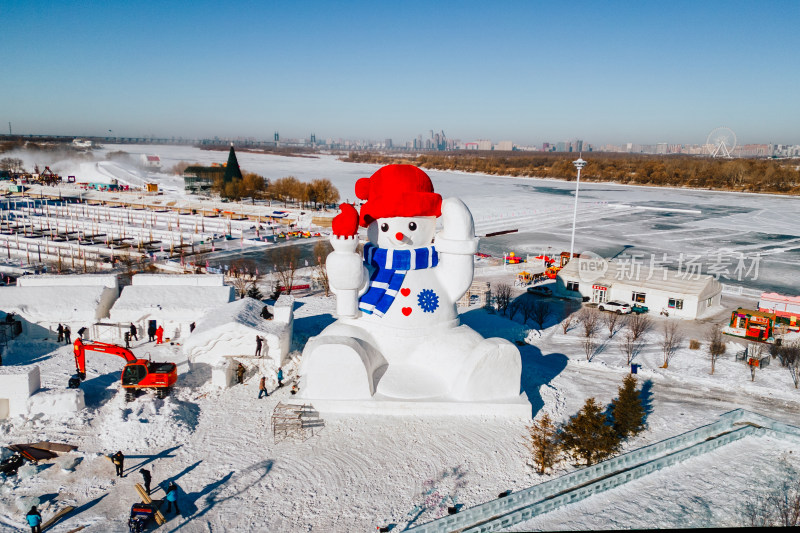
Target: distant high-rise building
505	146
387	143
561	146
545	147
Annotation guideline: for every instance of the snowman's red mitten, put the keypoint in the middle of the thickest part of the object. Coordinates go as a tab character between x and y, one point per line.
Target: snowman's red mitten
345	224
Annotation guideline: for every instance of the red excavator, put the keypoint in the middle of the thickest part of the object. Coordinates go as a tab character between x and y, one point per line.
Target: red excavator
138	373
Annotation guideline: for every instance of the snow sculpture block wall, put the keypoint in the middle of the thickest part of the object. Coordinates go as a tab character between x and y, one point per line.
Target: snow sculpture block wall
197	280
223	373
83	280
17	384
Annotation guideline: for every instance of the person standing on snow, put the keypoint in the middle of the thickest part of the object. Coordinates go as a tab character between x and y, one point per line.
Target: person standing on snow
259	340
262	387
119	463
172	497
159	335
133	333
151	332
34	518
67	334
240	373
60	330
128	340
280	377
147	478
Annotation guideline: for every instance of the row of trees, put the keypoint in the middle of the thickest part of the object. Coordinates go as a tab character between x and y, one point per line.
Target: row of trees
593	434
285	190
755	175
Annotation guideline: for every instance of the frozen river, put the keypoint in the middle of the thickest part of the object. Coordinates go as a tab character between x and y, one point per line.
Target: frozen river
745	239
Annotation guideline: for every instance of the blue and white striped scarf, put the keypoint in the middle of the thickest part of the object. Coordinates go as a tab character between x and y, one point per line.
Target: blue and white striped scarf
391	267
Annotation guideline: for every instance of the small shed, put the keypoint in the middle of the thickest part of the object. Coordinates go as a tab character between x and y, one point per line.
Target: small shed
786	308
750	324
679	294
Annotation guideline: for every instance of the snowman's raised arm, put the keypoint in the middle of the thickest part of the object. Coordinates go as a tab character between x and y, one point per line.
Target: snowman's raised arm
456	244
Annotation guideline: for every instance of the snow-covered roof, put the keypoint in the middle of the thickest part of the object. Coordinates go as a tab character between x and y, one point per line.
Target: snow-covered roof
179	303
53	304
660	279
775	297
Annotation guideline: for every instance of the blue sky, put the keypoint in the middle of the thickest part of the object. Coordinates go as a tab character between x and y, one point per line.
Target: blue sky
605	72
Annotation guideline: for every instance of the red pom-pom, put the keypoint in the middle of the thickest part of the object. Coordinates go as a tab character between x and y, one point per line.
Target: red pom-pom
362	188
345	224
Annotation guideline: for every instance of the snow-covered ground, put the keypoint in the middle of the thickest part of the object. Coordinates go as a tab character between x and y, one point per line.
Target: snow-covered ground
360	472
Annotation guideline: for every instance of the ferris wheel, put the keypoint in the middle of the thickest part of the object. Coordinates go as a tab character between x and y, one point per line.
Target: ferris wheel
721	142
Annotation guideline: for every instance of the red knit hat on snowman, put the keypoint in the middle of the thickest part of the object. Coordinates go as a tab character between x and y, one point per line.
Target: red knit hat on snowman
397	191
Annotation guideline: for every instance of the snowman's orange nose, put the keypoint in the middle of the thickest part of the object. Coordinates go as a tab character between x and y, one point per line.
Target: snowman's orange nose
399	236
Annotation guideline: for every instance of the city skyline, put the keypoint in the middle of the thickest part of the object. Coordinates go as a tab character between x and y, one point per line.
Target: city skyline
520	71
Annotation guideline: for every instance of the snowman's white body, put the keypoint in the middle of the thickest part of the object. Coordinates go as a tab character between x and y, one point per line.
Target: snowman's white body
417	349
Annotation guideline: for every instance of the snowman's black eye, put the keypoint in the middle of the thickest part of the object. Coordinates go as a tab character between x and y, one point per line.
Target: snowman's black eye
412	226
384	227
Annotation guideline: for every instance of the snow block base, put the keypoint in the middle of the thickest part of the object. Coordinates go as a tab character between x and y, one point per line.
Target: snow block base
56	402
519	408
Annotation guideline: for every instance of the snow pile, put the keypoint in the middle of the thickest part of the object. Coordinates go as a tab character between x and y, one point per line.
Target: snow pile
17	383
56	402
231	330
146	423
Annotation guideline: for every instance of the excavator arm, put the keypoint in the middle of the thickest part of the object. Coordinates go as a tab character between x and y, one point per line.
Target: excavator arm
104	347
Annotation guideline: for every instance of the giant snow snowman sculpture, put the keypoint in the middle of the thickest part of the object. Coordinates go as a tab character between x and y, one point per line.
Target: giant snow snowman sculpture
398	337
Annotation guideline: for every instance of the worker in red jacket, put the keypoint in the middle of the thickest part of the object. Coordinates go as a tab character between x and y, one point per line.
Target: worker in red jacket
159	335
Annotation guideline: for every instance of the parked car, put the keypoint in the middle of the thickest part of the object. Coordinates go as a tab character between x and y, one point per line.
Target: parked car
540	291
615	307
639	309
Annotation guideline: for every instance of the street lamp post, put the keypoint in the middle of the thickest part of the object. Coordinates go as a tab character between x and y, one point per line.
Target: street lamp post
579	164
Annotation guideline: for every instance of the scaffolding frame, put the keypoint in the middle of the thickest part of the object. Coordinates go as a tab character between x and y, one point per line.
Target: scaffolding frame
293	420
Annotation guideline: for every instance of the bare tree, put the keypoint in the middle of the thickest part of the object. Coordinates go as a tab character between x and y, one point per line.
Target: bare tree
589	320
321	251
590	347
286	260
515	307
502	295
716	345
755	351
629	345
671	339
539	311
570	310
612	321
639	324
789	355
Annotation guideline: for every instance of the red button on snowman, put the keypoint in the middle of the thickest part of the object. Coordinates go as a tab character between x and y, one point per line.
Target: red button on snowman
398	335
